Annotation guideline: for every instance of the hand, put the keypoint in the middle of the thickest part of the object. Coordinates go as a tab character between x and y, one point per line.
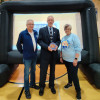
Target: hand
56	48
49	49
75	62
61	60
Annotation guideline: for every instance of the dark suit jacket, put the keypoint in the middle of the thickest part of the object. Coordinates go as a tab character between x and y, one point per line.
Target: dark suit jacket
44	42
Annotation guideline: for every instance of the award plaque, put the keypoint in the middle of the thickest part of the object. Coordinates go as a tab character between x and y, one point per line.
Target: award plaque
53	46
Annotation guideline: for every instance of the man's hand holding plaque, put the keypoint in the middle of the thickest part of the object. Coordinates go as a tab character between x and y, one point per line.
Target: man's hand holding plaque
53	47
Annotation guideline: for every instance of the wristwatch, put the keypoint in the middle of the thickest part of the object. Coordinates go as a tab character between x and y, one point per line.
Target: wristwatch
76	58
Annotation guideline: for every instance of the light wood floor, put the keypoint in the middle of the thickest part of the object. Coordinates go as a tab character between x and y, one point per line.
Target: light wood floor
11	91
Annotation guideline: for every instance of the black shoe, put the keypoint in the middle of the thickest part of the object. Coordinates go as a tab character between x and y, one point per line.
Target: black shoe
41	92
67	86
27	94
78	95
35	87
53	90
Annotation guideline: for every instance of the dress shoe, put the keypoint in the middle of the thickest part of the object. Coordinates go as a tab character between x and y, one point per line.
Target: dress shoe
67	86
78	95
27	94
53	90
41	92
35	87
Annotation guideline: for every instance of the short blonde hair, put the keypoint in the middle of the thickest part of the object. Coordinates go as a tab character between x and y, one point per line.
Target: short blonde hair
67	25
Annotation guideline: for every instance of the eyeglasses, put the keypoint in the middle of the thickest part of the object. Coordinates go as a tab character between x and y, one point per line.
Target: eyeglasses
30	24
68	29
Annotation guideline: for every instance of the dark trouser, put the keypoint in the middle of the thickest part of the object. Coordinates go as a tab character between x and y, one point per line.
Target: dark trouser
43	71
72	75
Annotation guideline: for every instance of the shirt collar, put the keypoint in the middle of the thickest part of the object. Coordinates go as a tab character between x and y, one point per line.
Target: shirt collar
31	33
28	32
49	27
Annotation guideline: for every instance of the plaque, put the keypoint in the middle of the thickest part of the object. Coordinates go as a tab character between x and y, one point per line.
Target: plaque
53	46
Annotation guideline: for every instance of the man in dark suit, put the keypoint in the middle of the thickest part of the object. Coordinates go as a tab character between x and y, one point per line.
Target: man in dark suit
48	35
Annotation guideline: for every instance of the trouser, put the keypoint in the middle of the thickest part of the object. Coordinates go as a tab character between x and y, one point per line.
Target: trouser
29	69
72	75
43	71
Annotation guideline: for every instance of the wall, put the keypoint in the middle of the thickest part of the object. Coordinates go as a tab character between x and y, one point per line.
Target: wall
62	19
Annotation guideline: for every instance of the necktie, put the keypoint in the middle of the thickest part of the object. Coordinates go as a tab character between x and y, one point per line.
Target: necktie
51	35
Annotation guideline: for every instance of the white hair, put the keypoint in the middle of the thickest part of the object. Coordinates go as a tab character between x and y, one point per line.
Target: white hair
50	16
29	20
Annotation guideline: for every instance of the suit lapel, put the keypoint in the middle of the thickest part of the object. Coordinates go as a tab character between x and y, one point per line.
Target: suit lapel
47	33
54	33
